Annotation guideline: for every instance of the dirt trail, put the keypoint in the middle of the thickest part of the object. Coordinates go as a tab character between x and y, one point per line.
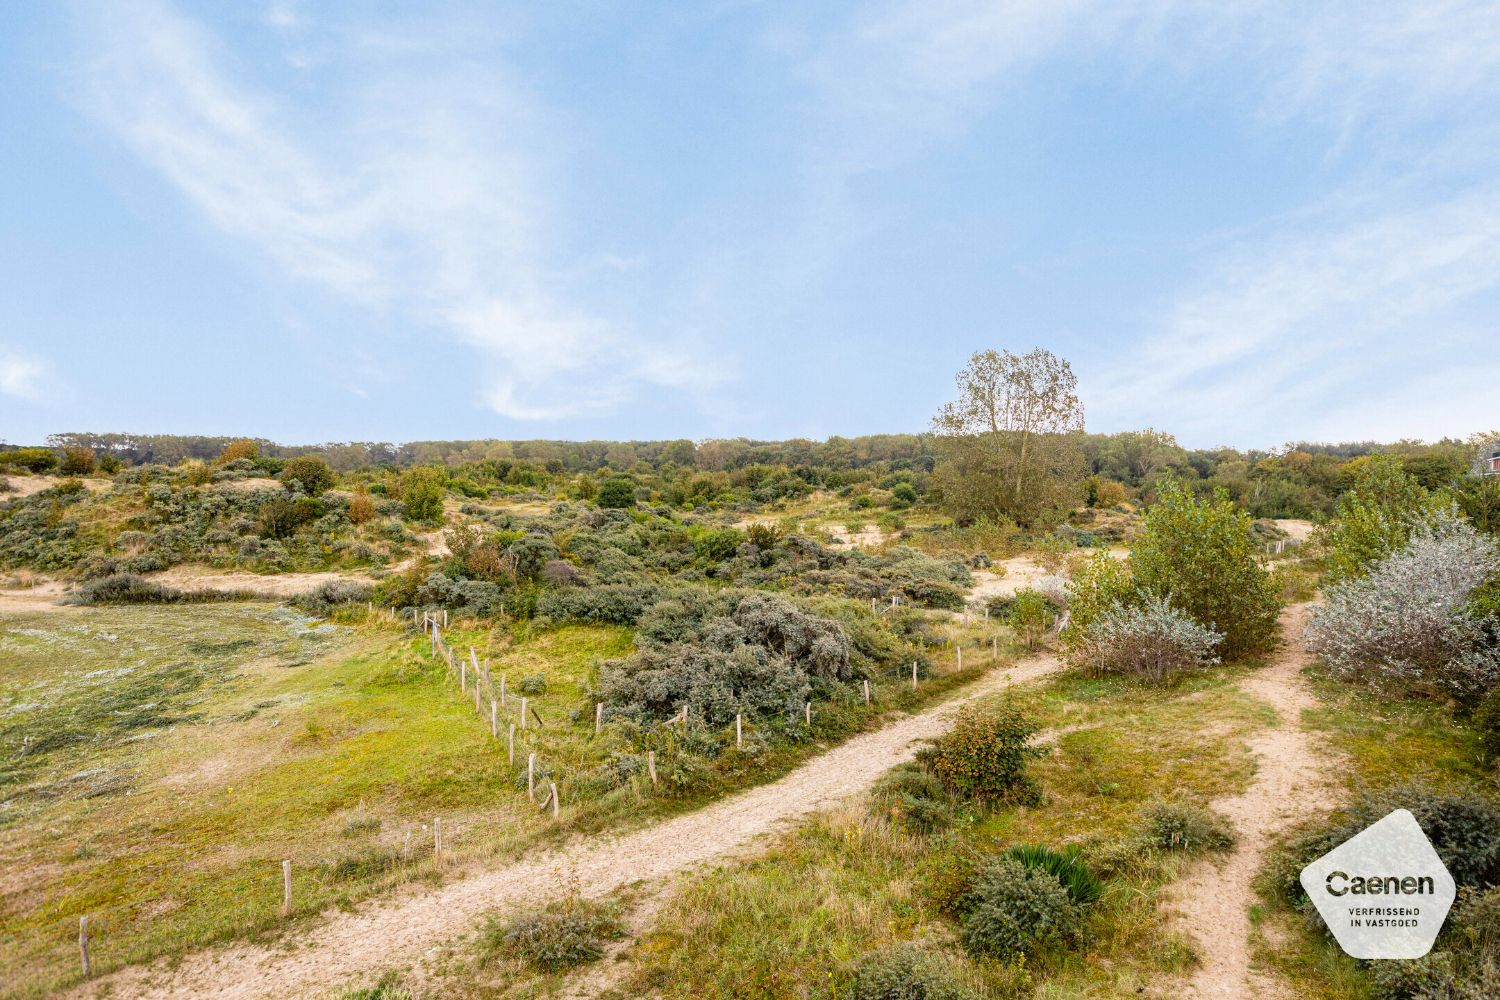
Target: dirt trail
350	947
1291	775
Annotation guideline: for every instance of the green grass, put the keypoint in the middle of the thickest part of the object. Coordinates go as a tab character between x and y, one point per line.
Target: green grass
793	922
245	734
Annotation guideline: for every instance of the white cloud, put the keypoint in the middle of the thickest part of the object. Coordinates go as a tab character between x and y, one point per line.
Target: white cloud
22	377
420	193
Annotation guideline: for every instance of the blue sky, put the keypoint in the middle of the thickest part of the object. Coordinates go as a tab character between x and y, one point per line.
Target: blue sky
1243	223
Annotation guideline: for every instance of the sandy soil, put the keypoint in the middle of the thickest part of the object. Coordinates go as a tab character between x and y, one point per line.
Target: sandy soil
353	947
42	596
868	537
1292	775
1009	576
25	486
272	585
1297	530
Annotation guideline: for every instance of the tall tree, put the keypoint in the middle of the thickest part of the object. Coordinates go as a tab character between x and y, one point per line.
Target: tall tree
1009	445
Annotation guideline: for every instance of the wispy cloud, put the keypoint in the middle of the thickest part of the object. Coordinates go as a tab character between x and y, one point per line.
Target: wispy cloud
22	376
1357	298
422	193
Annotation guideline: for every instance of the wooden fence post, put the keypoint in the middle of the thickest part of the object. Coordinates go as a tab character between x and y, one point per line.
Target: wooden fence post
502	690
83	945
552	786
286	888
598	717
523	713
494	720
739	730
913	675
651	766
463	677
531	776
960	657
807	710
867	692
437	839
512	750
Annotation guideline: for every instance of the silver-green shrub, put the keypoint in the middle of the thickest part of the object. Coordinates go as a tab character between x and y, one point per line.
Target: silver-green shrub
1148	642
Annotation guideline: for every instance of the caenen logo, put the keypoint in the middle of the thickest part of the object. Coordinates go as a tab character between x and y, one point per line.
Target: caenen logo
1384	892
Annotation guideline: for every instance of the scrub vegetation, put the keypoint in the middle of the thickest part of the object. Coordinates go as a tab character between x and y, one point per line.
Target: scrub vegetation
215	656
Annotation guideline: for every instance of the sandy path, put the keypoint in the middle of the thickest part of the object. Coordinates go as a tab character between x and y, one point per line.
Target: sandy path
353	947
1291	776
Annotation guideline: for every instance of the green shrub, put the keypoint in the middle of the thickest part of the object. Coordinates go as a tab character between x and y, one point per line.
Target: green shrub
1375	517
560	936
422	492
717	544
308	473
983	756
617	492
1030	615
1181	826
1067	866
1200	555
912	796
329	594
123	588
908	972
31	459
76	461
532	685
1101	585
1014	910
614	603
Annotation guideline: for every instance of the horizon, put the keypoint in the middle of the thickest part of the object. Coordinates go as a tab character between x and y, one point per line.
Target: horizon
764	220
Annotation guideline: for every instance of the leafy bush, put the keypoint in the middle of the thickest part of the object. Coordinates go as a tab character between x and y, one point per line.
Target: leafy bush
1031	615
560	936
1014	910
1150	642
1181	826
617	492
1101	585
615	603
1408	619
1374	518
983	756
309	474
1067	866
361	507
422	491
76	461
717	544
532	685
31	459
908	972
1200	555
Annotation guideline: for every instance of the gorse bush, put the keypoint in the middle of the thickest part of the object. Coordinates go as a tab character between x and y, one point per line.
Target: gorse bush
908	972
1150	642
1200	555
1408	619
1181	826
984	756
558	937
1013	910
1067	866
